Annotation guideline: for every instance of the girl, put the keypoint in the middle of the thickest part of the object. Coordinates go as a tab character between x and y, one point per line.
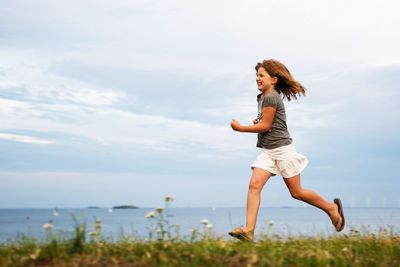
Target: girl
278	153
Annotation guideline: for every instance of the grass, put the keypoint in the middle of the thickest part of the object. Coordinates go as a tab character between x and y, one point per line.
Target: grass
355	249
163	247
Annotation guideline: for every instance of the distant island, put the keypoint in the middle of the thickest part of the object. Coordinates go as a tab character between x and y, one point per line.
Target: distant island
125	207
94	207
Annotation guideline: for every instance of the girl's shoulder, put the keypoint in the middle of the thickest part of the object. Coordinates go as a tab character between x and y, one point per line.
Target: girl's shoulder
272	95
273	99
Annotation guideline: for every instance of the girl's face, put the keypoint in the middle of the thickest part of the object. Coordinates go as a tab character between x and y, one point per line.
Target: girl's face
265	83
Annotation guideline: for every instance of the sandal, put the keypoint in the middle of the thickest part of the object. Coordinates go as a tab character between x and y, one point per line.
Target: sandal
240	234
341	214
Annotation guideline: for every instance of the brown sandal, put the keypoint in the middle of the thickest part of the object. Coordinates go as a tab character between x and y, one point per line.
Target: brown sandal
240	234
341	214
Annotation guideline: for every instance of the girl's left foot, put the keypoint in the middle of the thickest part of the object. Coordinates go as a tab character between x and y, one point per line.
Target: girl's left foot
335	216
339	222
242	235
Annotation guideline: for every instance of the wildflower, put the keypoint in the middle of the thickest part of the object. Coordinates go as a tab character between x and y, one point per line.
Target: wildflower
159	209
204	221
47	226
271	223
209	226
97	225
168	199
151	214
344	249
35	254
93	233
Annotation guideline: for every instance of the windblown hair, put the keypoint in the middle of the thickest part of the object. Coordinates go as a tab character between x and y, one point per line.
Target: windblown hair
286	85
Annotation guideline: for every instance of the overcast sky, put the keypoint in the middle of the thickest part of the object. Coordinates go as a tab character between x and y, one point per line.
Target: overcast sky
124	102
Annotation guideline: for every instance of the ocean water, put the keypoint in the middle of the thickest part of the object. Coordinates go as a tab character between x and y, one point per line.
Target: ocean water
133	222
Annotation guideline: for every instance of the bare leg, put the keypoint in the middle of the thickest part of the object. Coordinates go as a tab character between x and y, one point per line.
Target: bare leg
257	182
312	198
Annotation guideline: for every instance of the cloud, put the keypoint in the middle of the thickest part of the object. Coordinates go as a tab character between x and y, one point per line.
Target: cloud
150	86
25	139
38	101
31	83
114	105
363	98
194	37
108	125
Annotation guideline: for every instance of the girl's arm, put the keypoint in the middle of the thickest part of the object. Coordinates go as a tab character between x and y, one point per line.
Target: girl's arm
268	114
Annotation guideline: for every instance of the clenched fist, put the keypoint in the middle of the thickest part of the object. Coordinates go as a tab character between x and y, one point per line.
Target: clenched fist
235	125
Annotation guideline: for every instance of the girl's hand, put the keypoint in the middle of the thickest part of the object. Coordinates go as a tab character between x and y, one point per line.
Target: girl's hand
235	125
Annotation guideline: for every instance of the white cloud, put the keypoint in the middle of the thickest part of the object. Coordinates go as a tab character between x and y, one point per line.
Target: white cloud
31	82
324	44
108	125
53	104
8	106
25	139
192	37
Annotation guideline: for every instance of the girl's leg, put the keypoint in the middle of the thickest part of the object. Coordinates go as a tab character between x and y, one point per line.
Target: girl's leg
257	182
312	198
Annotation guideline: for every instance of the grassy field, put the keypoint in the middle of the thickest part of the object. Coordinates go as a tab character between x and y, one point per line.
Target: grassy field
166	247
346	250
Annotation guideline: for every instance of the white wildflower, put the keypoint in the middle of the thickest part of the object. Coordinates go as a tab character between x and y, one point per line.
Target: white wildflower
47	226
204	221
271	223
93	233
35	254
209	226
151	214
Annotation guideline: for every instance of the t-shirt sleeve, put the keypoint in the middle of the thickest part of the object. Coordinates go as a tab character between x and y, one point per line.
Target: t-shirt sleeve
270	101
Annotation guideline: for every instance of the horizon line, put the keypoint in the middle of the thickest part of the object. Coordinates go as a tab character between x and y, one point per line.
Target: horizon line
191	207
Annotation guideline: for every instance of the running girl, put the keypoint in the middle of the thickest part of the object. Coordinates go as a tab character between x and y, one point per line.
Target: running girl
278	153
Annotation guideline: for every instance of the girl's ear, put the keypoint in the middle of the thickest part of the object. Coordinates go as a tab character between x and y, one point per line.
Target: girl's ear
275	80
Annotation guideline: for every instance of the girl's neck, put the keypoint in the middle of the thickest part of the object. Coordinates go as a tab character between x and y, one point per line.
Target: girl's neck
269	90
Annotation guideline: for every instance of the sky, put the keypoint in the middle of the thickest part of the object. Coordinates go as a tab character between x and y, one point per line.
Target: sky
105	103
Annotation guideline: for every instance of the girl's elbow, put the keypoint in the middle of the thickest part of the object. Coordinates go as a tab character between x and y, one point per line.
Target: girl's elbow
266	128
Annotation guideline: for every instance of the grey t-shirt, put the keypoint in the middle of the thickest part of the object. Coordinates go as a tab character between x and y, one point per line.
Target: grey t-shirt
278	135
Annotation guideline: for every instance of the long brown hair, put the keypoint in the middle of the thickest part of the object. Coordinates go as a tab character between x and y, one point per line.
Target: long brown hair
286	85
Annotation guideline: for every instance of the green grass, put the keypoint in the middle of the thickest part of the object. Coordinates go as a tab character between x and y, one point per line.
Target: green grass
166	247
345	250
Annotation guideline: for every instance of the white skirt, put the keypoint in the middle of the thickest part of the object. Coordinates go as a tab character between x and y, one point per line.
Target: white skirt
284	161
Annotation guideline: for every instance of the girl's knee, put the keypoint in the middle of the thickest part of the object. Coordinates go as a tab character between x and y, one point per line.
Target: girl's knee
296	194
255	185
258	179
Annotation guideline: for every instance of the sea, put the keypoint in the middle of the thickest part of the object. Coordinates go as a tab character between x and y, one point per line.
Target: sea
117	224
